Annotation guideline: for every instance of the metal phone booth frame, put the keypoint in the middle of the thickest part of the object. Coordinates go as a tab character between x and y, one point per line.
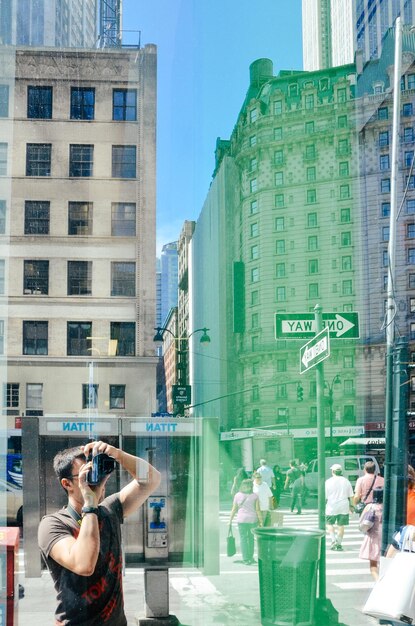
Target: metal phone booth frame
42	438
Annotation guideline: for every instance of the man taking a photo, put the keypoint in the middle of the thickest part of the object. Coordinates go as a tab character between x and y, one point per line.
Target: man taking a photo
81	543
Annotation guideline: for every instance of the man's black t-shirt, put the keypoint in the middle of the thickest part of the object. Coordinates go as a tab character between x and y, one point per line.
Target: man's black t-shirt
95	600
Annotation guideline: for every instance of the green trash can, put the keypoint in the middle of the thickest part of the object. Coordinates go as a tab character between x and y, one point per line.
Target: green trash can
288	561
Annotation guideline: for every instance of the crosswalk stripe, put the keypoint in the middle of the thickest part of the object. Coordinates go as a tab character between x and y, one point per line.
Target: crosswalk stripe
355	586
348	572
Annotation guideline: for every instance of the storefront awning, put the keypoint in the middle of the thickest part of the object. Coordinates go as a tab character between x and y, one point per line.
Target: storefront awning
364	441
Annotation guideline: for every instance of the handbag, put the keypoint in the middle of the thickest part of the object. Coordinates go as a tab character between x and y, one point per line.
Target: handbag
359	507
367	519
230	543
393	596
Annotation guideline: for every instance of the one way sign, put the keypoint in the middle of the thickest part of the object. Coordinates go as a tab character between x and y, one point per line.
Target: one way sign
315	351
302	325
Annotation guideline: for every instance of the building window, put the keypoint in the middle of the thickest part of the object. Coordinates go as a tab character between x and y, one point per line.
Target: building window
2	276
117	396
346	263
255	393
38	159
347	289
279	179
281	390
254	253
310	151
39	102
311	174
124	335
348	361
348	387
253	208
254	298
385	210
411	81
255	320
345	215
278	157
253	115
343	146
342	121
383	113
79	278
410	182
253	185
344	192
312	243
309	128
277	107
349	414
124	105
309	101
312	220
79	338
313	266
123	219
89	396
280	294
311	196
278	133
383	139
81	160
3	159
254	230
123	279
34	399
412	305
280	270
124	162
36	277
35	338
408	158
4	101
408	134
411	281
385	185
36	217
385	258
384	162
385	233
346	238
254	275
410	231
252	141
80	218
2	217
313	290
407	109
82	103
280	246
279	200
279	223
341	95
11	395
343	168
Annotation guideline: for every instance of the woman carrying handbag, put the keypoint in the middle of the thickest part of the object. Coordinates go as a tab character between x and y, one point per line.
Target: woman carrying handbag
248	516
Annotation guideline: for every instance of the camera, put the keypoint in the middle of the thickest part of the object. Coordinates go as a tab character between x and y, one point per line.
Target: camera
102	465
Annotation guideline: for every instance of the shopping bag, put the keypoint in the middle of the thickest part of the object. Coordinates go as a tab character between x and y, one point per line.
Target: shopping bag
230	543
367	519
393	596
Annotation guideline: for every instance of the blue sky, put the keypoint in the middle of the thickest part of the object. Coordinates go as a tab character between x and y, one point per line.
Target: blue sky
205	48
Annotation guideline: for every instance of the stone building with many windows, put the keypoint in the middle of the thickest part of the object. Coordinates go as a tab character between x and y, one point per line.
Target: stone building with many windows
78	230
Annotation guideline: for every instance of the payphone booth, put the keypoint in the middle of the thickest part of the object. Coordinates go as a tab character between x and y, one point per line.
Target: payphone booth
178	525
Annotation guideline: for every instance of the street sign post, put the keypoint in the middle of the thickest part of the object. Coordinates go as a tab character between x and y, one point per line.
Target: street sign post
302	325
315	350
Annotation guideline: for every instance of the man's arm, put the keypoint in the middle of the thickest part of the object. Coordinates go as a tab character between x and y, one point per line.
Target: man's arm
357	492
145	477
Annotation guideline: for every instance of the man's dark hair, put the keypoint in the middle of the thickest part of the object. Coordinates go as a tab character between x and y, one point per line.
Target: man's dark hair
293	463
63	461
370	467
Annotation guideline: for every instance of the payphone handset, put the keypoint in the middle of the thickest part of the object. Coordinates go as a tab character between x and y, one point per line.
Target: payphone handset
157	522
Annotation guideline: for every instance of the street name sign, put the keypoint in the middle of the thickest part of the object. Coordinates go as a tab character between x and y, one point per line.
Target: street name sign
302	325
315	350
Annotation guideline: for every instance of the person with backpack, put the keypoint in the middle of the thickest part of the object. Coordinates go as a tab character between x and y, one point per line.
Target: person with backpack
370	549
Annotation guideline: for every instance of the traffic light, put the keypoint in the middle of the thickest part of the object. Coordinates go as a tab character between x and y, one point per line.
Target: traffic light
300	393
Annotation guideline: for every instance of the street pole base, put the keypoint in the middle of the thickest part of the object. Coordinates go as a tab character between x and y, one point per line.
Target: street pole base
325	613
170	620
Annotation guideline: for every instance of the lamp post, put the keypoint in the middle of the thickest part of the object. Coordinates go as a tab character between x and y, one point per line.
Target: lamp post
330	386
181	390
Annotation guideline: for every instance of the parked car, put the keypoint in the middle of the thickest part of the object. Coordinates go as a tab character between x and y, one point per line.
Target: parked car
352	466
11	503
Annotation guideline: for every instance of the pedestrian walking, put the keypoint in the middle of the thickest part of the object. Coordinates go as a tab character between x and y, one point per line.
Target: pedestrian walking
292	474
366	484
297	493
265	498
339	495
248	516
240	475
371	545
266	473
278	485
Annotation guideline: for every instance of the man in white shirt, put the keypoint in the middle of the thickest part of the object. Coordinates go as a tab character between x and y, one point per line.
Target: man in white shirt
266	473
264	496
339	499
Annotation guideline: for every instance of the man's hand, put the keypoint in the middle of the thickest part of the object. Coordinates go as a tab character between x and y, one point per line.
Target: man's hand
100	447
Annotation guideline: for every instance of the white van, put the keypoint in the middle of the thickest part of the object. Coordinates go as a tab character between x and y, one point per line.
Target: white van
352	468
